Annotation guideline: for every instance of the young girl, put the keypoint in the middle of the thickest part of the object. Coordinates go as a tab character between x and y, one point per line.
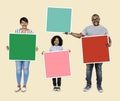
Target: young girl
56	42
22	65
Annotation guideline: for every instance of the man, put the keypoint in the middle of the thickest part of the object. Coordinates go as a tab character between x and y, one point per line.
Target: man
92	30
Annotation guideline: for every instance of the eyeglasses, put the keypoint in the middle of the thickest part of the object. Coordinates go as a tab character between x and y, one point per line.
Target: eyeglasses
96	19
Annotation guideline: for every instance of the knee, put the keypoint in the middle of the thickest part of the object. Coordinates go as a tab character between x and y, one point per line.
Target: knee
18	70
26	70
89	69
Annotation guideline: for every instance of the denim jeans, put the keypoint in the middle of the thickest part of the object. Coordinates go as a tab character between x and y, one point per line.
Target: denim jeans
22	65
98	67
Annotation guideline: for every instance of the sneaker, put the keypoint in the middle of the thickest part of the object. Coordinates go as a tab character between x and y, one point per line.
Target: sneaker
17	89
55	88
100	89
23	89
87	88
58	88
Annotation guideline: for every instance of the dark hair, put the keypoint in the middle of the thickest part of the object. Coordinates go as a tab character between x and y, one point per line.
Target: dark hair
23	19
60	40
95	15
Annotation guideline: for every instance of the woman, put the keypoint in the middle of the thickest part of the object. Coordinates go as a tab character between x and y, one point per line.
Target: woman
22	64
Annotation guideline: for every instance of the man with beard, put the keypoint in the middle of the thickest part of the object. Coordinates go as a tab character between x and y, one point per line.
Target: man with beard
92	30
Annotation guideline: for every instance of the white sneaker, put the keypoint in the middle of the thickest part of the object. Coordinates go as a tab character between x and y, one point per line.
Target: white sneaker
100	91
17	89
55	88
87	88
23	89
58	89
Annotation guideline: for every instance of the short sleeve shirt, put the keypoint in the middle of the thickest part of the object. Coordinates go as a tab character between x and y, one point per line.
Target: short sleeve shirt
55	48
20	31
95	30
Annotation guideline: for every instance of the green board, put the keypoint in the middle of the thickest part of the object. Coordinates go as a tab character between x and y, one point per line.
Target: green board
22	46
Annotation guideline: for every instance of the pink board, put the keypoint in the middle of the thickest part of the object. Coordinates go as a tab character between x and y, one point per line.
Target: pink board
57	64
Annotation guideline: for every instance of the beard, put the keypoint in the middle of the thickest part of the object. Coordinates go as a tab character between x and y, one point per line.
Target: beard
96	23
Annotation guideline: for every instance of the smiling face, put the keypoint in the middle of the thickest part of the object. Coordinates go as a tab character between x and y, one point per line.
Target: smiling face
24	24
95	20
56	42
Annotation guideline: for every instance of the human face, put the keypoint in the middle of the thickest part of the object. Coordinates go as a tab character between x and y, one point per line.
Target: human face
96	20
56	42
24	24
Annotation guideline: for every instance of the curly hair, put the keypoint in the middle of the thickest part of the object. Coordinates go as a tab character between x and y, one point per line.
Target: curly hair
59	38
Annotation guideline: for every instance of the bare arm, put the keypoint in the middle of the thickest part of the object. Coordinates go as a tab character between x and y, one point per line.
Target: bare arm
7	47
77	35
37	48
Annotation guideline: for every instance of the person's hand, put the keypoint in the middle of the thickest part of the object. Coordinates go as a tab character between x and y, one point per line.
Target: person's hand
69	50
67	33
7	47
37	48
109	44
42	52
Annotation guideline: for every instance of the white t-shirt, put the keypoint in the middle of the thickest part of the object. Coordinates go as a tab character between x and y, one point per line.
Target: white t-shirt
55	48
95	30
20	31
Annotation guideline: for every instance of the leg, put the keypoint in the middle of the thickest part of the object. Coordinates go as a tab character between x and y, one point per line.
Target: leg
54	81
54	84
18	75
26	71
59	81
98	67
89	73
88	76
19	72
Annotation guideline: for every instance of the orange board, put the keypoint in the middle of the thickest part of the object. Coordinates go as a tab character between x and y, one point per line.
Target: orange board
95	49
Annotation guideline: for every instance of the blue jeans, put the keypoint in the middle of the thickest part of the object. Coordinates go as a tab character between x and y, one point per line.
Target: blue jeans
98	68
19	66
